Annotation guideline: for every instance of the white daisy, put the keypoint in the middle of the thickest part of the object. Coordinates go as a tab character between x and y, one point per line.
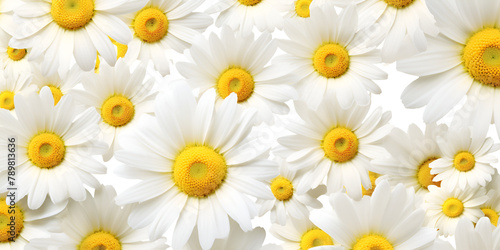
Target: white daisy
10	86
14	61
121	51
335	142
444	207
301	8
60	84
235	63
491	208
479	236
386	220
329	58
97	223
54	146
197	166
300	234
59	30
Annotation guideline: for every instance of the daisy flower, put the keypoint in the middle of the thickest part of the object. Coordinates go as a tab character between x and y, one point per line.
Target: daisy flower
14	61
462	61
120	96
121	51
97	223
445	207
54	146
329	58
466	160
386	220
491	208
163	25
236	64
300	234
301	8
10	86
197	166
59	30
479	236
335	142
59	83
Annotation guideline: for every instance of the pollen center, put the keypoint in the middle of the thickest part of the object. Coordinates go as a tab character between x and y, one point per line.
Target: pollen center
72	14
314	238
331	60
372	242
373	178
7	100
236	80
282	188
491	214
150	25
199	170
481	56
10	229
424	176
100	241
117	111
399	3
16	54
302	8
249	2
464	161
46	150
453	207
340	144
56	93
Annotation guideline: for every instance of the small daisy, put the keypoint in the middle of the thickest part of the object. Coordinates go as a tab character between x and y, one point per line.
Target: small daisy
59	30
445	207
329	58
301	8
198	166
491	208
386	220
120	96
60	84
121	51
163	25
97	223
335	142
236	64
14	61
300	234
479	236
54	146
10	86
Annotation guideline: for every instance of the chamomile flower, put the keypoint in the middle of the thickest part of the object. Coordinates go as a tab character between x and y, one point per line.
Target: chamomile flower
120	96
300	234
445	207
54	148
121	51
14	61
301	8
164	25
97	223
10	86
236	63
197	167
329	58
386	220
491	208
479	236
60	30
335	142
59	83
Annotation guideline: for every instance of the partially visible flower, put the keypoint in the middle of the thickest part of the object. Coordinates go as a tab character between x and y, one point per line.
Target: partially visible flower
481	235
12	85
59	83
301	234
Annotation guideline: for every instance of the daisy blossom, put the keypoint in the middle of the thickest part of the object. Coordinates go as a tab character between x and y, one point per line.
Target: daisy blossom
60	84
121	51
197	166
10	86
300	234
14	61
236	64
491	208
301	8
479	236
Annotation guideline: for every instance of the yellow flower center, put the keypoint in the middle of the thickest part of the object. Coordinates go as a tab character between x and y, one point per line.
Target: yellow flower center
56	93
302	8
7	100
46	150
249	2
199	170
10	231
464	161
424	176
340	144
72	14
150	25
491	214
372	242
314	238
100	241
117	111
282	188
373	178
236	80
331	60
121	50
481	56
453	207
16	54
399	3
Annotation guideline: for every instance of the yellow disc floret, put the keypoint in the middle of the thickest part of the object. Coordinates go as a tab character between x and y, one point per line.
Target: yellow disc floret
372	241
464	161
72	14
117	111
424	176
46	150
491	214
453	207
302	8
150	25
249	2
236	80
56	93
481	56
199	170
340	144
399	3
7	100
100	241
11	221
16	54
331	60
373	178
313	238
282	188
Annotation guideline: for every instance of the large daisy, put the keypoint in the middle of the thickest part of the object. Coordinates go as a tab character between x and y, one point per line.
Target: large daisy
59	83
14	61
477	236
12	85
197	167
300	234
54	148
59	30
235	63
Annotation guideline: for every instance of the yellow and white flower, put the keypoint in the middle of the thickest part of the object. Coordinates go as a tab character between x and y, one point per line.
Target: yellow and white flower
59	83
477	236
491	208
300	234
14	61
12	85
301	8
